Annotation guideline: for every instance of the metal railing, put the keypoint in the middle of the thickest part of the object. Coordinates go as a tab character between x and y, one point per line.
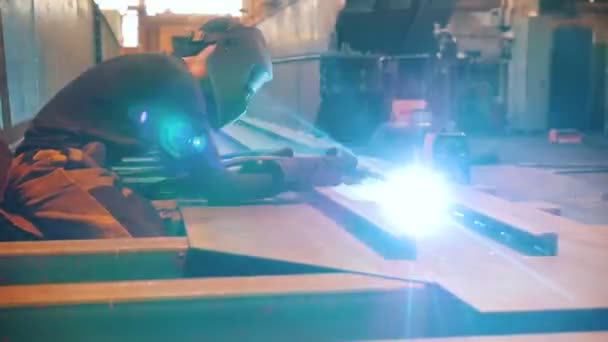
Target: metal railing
318	56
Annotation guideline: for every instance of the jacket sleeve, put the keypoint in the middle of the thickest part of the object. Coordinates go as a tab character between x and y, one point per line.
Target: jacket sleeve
198	158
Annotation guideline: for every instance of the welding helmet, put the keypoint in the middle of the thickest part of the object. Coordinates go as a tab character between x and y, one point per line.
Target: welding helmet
238	67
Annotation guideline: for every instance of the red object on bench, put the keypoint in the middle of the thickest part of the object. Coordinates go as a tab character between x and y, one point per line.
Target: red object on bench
565	136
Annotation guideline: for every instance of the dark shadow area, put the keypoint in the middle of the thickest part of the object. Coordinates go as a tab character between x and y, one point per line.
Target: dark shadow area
570	98
202	263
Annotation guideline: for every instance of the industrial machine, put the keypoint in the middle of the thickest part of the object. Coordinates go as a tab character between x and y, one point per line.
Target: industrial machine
389	84
391	68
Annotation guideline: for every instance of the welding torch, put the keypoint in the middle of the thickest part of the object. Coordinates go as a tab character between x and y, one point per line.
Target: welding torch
299	173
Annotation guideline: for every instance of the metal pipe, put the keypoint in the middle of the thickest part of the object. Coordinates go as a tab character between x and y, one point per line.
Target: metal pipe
318	56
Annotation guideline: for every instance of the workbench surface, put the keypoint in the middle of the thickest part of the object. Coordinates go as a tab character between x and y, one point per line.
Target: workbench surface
327	253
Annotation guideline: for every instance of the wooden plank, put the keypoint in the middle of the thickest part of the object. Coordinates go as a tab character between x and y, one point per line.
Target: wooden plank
136	291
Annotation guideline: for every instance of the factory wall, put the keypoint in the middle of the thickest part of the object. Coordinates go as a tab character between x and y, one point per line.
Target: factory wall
302	28
114	20
530	79
47	43
307	27
109	44
529	74
603	90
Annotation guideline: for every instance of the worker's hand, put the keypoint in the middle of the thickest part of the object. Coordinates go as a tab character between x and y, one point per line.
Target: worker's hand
301	174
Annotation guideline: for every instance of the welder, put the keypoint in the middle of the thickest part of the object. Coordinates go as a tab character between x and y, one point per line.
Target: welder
59	179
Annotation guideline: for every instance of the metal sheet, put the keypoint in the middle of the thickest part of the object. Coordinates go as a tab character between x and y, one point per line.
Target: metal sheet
294	233
304	308
455	258
91	260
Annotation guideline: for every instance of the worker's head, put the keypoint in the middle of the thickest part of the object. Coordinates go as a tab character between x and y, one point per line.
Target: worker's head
232	62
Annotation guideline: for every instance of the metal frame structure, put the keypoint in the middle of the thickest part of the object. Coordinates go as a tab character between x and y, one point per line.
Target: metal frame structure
318	266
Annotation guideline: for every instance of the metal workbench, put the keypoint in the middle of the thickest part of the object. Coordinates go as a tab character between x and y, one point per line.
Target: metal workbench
315	266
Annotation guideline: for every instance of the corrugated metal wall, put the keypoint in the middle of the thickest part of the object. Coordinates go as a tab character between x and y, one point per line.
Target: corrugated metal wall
305	27
64	32
47	43
22	58
110	45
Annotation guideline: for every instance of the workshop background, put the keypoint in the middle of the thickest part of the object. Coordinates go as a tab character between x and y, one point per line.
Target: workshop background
523	246
548	71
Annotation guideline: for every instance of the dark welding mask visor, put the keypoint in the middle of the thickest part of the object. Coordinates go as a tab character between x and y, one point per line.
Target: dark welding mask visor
238	68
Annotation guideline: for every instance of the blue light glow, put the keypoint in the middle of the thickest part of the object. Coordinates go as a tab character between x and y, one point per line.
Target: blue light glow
198	143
